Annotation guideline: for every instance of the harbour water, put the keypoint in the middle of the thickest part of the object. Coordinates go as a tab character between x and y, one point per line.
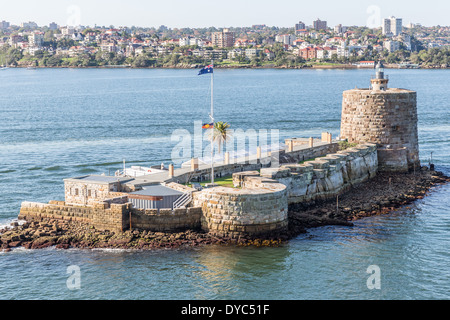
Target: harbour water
58	123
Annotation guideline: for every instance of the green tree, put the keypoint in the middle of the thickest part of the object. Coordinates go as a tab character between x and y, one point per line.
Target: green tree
65	43
143	61
174	60
13	55
392	58
53	61
221	134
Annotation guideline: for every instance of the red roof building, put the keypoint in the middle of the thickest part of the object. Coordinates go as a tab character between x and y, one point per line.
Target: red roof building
308	53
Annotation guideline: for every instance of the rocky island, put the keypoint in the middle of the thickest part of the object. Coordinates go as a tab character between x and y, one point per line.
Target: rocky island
373	168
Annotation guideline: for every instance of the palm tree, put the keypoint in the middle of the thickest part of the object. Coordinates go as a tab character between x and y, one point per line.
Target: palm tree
221	133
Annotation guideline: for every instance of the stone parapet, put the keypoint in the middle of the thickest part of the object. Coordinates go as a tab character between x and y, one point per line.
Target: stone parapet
331	175
244	212
313	152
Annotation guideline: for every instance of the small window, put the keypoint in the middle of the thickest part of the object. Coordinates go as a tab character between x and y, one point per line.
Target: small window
76	191
89	193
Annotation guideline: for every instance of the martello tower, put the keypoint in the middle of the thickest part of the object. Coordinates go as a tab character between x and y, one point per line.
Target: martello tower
385	116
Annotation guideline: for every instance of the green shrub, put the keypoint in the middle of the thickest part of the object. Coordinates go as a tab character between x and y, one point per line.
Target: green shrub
344	144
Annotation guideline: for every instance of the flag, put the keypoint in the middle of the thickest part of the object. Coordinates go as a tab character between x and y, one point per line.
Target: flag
207	69
208	126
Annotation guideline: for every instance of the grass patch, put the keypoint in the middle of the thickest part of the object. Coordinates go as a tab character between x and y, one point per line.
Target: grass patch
326	64
302	162
222	182
230	63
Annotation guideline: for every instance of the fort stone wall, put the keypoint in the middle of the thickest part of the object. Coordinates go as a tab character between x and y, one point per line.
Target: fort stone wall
100	215
165	220
114	217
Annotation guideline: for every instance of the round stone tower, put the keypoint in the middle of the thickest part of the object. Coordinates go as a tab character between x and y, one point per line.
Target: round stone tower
385	116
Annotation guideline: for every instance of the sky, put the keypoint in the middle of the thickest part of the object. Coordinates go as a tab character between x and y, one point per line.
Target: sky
223	13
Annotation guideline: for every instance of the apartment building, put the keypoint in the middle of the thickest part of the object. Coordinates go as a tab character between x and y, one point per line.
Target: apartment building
36	39
223	39
319	24
392	26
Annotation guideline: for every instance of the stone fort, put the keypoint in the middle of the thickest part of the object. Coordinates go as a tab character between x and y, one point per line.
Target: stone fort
381	123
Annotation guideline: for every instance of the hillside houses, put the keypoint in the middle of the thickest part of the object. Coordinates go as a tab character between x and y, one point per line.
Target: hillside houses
254	46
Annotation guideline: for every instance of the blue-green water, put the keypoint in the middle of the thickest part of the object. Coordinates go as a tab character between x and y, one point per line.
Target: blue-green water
62	123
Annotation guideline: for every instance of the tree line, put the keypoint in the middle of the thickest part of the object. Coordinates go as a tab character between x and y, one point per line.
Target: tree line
179	57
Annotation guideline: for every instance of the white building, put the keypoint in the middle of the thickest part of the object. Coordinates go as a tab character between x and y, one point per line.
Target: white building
366	64
32	50
392	26
67	31
340	28
36	39
233	54
77	36
215	54
286	39
336	41
391	46
108	47
29	25
252	52
189	41
325	52
342	52
184	42
405	39
433	45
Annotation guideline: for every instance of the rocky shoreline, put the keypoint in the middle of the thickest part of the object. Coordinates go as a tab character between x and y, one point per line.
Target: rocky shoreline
381	195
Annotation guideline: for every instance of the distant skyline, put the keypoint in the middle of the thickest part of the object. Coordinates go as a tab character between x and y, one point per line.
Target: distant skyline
230	13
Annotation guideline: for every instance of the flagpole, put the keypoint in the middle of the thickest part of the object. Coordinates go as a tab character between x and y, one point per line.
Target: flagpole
212	119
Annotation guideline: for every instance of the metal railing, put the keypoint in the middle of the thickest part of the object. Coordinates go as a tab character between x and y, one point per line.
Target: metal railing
386	77
183	201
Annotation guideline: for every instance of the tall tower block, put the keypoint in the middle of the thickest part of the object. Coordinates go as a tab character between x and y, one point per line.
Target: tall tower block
385	116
